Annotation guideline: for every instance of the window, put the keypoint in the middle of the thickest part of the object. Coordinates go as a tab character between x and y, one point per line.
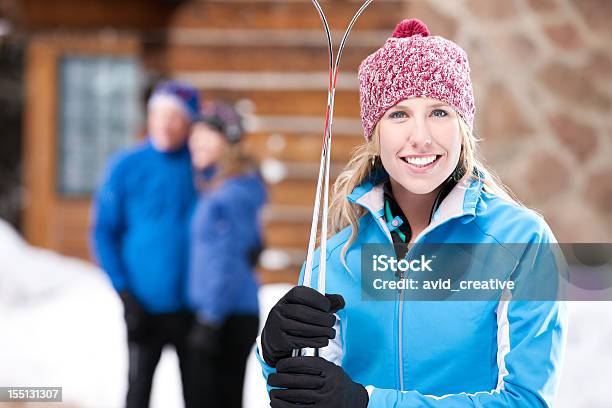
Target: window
99	112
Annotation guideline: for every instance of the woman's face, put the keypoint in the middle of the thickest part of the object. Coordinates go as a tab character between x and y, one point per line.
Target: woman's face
206	145
420	143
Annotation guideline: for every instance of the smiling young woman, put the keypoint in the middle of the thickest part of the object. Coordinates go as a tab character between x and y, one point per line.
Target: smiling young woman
417	180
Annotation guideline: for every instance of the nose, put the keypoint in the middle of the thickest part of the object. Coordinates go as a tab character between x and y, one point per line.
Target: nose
419	134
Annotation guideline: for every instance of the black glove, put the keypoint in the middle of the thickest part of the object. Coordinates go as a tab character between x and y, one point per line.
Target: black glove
137	319
315	382
303	318
204	337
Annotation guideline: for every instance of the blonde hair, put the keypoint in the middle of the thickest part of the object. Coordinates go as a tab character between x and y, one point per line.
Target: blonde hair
359	169
236	162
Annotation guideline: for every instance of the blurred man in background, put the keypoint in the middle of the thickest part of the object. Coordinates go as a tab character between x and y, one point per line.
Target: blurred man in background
140	238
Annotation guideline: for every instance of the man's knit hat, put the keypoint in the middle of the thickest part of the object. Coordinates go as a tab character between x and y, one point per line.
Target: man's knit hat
413	64
224	118
179	94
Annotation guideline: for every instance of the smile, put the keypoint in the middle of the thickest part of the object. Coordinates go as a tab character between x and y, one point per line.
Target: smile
421	162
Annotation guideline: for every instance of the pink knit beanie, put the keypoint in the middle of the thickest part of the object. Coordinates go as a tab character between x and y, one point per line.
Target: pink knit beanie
413	64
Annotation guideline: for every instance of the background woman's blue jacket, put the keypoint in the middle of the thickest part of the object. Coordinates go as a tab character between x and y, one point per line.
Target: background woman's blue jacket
224	232
446	353
141	225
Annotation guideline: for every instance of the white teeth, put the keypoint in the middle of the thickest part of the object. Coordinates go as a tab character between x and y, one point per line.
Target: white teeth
420	161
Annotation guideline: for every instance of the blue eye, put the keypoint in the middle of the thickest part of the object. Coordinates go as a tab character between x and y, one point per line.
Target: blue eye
439	113
397	115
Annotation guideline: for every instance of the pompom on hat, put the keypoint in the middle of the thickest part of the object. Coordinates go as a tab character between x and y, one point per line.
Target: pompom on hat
412	63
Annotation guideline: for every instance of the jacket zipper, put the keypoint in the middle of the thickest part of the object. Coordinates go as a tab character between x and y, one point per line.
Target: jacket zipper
401	293
382	225
400	332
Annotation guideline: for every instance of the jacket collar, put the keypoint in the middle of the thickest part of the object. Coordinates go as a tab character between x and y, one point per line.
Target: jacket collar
461	201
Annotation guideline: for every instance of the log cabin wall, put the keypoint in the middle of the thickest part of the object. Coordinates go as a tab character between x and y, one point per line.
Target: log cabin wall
268	57
541	70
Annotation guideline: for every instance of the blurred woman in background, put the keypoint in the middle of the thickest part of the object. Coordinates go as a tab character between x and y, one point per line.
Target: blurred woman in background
225	244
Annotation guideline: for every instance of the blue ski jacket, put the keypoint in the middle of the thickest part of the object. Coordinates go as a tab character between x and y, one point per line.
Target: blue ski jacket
225	232
496	353
141	225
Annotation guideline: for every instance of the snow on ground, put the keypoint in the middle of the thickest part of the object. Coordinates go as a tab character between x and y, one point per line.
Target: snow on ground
62	325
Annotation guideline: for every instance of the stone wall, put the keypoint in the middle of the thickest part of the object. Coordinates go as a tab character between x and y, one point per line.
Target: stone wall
542	74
